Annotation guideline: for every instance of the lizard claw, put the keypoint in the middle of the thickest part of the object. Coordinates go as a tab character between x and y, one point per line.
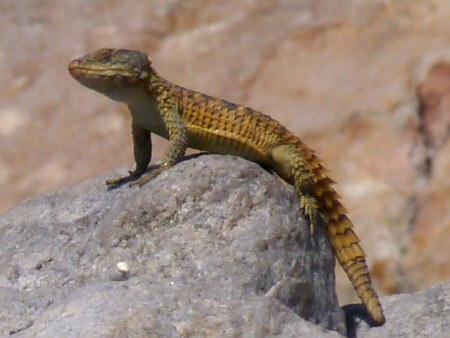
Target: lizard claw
309	207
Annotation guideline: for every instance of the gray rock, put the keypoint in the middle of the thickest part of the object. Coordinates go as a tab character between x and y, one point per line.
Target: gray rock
424	314
214	247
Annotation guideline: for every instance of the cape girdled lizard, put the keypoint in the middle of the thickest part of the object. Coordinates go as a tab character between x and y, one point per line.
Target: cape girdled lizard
188	118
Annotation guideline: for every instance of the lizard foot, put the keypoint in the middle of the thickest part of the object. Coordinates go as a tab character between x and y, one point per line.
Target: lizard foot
309	206
132	175
148	177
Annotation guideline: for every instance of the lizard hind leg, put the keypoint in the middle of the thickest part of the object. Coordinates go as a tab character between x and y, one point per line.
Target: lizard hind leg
292	166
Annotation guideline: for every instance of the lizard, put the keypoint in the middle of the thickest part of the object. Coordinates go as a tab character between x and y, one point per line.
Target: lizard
189	118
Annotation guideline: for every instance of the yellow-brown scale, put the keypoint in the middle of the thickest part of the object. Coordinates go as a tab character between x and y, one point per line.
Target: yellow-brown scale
223	127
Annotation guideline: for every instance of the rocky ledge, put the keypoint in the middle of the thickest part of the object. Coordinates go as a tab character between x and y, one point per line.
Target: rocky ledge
214	247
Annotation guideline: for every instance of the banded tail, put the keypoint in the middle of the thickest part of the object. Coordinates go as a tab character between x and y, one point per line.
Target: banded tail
298	165
350	255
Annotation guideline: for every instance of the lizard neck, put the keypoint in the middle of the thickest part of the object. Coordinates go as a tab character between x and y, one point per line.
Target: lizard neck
144	108
159	85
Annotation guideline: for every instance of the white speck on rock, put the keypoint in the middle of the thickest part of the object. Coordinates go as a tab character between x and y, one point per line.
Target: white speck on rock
123	267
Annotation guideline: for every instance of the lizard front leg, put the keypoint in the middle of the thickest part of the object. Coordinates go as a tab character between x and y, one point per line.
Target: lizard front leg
142	148
178	137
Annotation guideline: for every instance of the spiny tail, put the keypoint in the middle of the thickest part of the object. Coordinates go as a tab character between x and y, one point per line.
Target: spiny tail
345	242
298	165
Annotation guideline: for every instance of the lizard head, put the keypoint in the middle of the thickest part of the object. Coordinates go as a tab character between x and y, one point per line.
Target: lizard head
112	72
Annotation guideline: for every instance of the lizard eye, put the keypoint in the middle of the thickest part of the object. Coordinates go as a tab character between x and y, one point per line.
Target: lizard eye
103	55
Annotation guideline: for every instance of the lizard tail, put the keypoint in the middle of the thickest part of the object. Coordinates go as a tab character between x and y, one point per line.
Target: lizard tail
297	164
345	244
351	256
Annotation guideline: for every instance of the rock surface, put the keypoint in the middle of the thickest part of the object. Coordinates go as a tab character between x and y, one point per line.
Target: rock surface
214	247
365	83
424	314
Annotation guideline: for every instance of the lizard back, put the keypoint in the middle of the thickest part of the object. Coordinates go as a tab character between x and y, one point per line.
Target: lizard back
224	127
220	126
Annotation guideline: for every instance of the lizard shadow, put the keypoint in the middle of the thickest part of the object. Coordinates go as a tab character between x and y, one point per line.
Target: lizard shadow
354	315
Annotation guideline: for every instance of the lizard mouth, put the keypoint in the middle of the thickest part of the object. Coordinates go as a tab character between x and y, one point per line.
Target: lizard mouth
76	69
93	73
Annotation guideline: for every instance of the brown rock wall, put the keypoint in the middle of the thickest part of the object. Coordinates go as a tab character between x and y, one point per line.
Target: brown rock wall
365	84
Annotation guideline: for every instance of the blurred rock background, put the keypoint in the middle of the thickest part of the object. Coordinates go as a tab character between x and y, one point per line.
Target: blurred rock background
364	83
